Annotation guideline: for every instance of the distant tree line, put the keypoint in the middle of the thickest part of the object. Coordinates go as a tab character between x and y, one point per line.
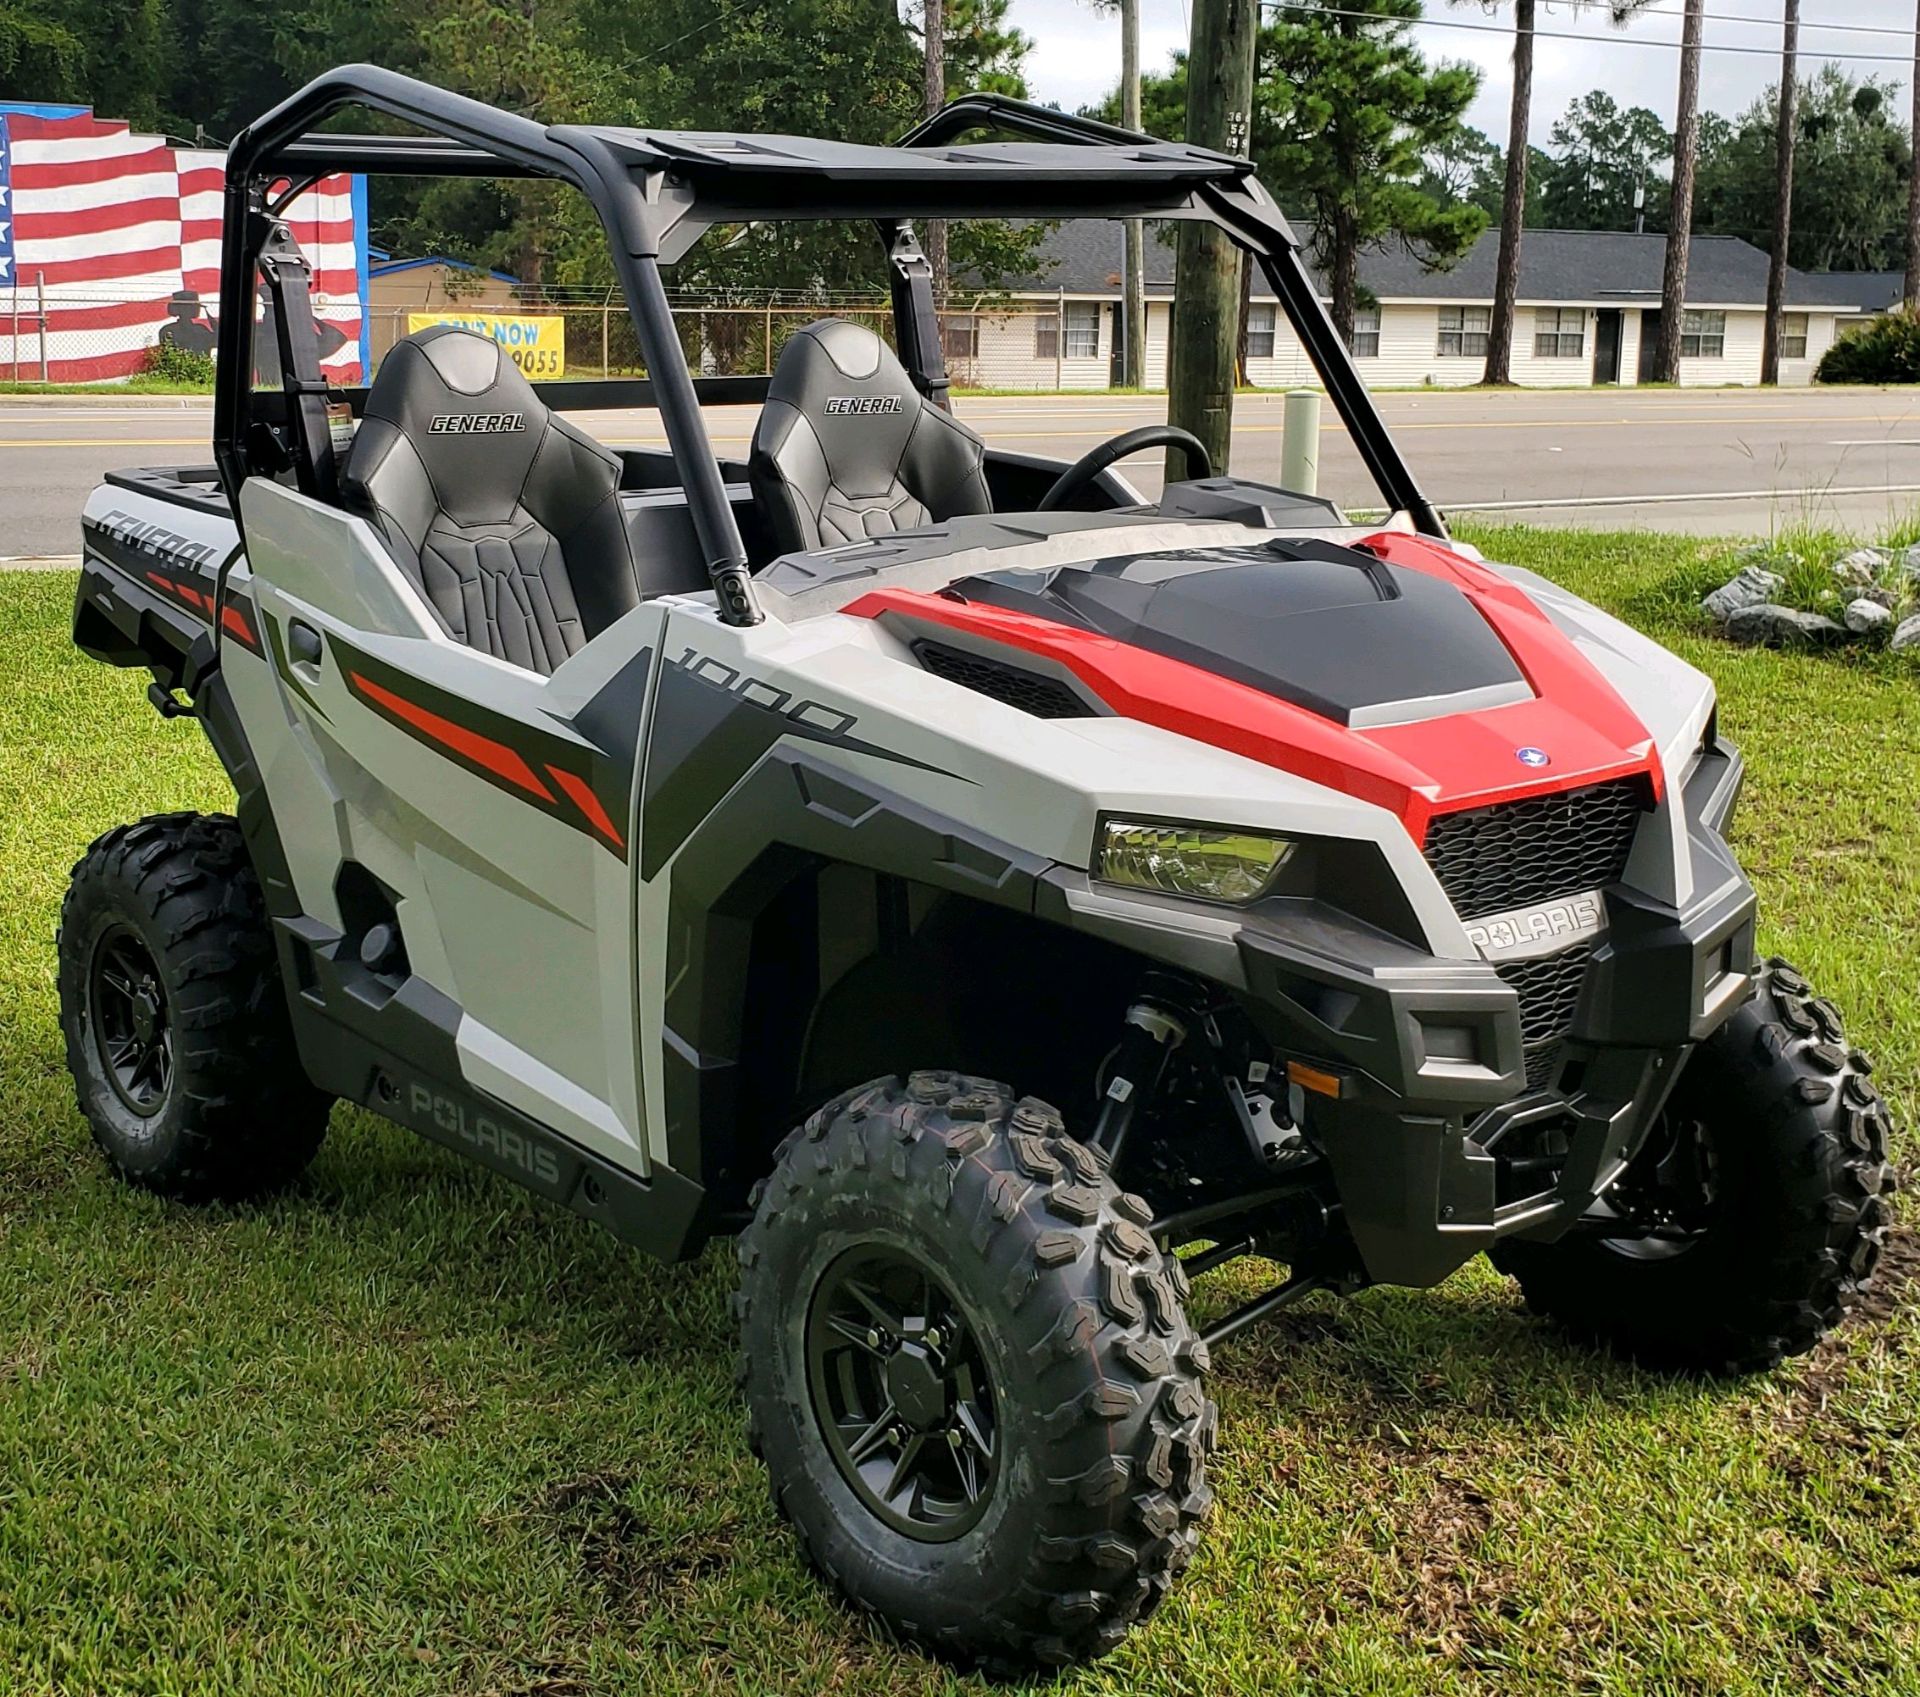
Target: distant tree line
1606	167
1358	135
852	69
1852	159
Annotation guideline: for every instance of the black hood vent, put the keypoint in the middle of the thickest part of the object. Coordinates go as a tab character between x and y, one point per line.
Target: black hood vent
1031	692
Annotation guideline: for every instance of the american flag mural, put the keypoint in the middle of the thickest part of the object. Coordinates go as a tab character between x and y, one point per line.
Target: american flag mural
119	233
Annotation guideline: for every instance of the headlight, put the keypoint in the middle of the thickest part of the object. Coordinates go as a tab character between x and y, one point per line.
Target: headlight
1190	860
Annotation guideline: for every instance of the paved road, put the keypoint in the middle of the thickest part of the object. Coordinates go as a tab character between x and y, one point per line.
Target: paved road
1707	461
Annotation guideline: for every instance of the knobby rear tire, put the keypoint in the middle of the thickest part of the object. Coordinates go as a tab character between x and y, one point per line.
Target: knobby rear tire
238	1116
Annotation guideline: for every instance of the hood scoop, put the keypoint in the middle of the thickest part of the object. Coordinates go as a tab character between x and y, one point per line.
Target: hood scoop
1335	630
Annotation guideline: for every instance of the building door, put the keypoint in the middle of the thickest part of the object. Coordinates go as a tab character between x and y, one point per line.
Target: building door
1649	343
1606	345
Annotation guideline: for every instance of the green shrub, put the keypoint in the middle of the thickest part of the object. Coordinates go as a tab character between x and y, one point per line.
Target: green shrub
1884	350
180	365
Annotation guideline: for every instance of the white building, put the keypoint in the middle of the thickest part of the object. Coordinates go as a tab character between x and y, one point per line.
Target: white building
1588	311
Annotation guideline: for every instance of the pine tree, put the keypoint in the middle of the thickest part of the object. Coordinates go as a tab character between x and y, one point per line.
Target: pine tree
1348	110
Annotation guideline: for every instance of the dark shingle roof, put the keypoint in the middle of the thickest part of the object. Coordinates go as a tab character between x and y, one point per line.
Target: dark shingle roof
1555	265
1866	291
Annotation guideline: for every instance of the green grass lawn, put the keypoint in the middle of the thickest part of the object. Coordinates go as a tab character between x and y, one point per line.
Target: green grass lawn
145	383
407	1430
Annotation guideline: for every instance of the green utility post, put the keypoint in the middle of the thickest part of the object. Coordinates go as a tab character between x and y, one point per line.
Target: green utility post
1206	285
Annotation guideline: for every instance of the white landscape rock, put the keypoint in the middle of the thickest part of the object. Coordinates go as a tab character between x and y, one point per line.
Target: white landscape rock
1907	637
1754	585
1910	562
1864	615
1862	566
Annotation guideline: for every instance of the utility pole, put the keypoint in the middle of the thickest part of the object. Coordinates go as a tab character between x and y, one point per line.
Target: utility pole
1133	284
1912	292
1686	154
934	24
1513	203
1782	191
1206	286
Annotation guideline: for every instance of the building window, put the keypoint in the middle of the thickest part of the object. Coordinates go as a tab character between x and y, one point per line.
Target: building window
1366	332
1703	335
1463	331
1793	335
1260	322
1559	332
960	335
1083	332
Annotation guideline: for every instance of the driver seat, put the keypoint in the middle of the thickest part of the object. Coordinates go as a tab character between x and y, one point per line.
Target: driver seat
846	448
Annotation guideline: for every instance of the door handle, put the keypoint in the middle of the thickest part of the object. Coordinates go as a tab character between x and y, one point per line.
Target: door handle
304	647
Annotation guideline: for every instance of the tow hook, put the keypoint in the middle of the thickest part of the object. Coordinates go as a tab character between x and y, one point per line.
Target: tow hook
167	704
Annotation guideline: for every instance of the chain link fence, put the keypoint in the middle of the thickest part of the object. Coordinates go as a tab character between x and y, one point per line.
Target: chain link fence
1007	344
49	336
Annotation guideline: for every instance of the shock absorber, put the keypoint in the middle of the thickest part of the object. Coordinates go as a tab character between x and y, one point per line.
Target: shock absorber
1157	1024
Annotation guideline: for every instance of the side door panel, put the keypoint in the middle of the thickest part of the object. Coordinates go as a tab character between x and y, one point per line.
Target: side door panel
495	806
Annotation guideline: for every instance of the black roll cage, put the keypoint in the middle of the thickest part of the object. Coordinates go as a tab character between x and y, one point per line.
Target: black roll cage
657	192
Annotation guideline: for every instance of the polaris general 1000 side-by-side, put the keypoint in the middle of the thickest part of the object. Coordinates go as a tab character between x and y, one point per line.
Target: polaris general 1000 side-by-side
993	899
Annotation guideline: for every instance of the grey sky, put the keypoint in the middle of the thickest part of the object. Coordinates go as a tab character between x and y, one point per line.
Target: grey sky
1077	54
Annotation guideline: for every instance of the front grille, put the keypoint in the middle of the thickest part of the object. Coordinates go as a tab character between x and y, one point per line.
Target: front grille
1031	692
1491	859
1549	990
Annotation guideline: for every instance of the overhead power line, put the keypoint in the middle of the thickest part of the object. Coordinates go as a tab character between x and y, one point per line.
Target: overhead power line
1304	7
1774	23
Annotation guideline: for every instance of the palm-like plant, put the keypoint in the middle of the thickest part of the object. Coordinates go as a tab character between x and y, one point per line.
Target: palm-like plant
1513	198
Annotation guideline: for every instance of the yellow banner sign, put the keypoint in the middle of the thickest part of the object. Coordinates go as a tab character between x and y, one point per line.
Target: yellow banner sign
537	345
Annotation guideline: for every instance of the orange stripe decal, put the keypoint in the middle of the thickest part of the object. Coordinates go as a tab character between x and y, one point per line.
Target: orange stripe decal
232	619
580	793
496	757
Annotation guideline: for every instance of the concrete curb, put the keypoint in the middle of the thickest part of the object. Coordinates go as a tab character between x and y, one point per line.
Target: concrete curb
40	563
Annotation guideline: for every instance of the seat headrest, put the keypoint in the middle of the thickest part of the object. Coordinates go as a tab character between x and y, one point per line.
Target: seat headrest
853	390
468	413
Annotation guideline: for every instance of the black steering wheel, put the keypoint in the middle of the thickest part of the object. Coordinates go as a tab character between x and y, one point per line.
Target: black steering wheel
1089	466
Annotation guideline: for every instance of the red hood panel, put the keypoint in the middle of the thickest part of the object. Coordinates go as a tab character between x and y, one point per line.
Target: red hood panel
1576	719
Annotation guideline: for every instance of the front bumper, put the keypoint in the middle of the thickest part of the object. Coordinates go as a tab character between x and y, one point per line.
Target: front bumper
1429	1052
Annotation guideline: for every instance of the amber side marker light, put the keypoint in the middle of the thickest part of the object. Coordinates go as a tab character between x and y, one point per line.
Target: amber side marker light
1312	1078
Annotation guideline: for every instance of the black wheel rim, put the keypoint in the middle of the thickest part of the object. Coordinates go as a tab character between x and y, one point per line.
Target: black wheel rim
1666	1199
902	1393
132	1030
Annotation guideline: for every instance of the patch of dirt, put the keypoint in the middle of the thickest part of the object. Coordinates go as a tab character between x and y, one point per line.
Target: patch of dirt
1436	1574
634	1562
1895	1278
1896	1283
